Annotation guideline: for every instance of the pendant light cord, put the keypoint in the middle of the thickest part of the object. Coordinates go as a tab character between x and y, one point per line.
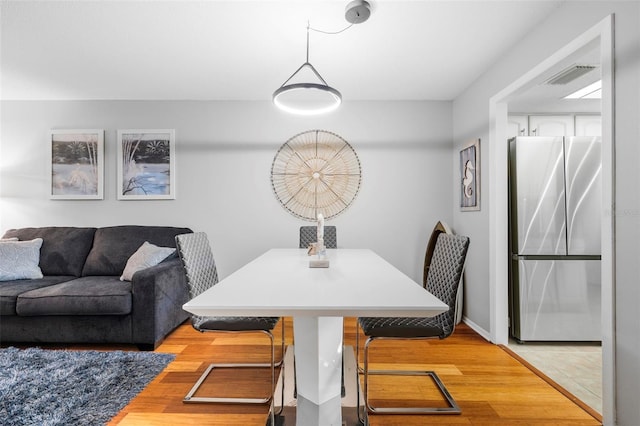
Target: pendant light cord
329	32
309	27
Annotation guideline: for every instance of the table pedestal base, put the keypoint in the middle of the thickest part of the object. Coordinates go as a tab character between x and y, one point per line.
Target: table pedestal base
299	411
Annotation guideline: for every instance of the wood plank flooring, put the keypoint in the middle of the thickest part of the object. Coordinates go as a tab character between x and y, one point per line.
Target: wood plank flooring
491	387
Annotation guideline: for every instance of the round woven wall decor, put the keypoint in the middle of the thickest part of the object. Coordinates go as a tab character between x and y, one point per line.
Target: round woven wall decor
316	172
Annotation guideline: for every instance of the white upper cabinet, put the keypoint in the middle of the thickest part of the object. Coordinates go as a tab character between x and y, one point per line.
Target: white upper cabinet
554	125
551	125
588	125
518	126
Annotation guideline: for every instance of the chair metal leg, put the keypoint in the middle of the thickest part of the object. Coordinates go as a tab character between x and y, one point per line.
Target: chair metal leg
360	370
282	346
272	413
190	398
452	407
280	363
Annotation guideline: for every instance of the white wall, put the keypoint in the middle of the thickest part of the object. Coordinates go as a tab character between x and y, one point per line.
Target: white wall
471	119
224	156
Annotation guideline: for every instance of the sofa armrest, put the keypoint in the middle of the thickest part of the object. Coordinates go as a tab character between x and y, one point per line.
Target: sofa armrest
158	294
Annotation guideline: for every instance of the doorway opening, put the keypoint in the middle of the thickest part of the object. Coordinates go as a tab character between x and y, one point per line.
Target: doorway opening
601	33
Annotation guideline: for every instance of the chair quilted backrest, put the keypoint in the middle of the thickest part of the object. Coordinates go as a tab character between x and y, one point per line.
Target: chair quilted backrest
200	267
445	271
308	235
437	230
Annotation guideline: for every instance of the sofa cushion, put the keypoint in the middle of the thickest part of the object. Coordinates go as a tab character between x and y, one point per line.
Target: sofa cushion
9	291
146	256
113	246
64	249
19	260
82	296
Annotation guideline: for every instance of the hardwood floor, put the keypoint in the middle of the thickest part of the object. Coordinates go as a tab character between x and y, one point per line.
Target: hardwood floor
491	387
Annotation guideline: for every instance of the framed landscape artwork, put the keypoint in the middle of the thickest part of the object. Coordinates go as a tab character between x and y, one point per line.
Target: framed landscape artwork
77	164
146	164
470	177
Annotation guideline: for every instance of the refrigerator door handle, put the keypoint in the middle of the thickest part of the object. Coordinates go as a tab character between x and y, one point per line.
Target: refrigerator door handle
554	257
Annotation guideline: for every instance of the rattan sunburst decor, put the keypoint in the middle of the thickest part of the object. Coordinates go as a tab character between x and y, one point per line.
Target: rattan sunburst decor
316	172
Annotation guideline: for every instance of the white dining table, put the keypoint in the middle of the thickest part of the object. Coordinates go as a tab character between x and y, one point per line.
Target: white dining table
358	282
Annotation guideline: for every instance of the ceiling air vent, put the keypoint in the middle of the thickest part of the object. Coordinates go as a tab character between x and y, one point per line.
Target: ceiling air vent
570	74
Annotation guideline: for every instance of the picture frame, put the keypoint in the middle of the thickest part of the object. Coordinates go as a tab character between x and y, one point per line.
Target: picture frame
76	166
470	177
146	164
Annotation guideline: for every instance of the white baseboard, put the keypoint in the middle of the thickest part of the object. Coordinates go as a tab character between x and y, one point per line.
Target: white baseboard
475	327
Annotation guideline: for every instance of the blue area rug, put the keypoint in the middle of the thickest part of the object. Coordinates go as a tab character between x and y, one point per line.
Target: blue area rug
59	387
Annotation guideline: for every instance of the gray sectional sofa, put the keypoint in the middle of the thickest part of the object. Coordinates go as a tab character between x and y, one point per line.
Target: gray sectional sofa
81	297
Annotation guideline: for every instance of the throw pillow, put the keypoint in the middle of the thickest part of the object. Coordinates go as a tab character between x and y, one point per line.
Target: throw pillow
19	260
2	240
146	256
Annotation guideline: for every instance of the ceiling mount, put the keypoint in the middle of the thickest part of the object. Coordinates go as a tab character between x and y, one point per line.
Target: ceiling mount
357	11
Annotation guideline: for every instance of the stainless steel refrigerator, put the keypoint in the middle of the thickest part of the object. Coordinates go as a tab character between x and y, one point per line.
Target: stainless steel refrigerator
555	205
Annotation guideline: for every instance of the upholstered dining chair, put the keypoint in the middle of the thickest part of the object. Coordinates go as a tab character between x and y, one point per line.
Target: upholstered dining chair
439	228
201	272
308	235
447	264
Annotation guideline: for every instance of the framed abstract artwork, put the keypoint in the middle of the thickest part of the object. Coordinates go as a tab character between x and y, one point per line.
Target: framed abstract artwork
146	164
77	164
470	177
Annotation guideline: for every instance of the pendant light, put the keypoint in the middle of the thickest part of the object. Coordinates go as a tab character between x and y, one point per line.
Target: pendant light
307	98
313	98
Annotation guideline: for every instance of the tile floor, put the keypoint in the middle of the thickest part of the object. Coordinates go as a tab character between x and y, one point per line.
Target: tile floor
575	366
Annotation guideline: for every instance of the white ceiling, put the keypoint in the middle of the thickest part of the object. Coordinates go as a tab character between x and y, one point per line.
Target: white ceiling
244	50
543	97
